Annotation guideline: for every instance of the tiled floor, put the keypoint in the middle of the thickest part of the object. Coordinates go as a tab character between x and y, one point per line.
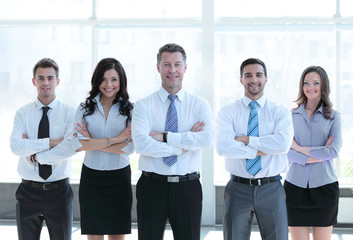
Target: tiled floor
9	232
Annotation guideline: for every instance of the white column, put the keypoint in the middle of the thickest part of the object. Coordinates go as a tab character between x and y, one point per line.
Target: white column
208	211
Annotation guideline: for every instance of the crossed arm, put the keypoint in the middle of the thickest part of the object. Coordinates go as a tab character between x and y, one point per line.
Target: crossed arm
306	150
109	145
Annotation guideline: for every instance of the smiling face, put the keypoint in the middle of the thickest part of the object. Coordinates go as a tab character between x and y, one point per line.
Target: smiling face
110	85
172	68
45	81
254	81
312	86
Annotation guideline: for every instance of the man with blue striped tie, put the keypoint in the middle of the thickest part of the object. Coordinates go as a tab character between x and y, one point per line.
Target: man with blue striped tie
170	128
254	135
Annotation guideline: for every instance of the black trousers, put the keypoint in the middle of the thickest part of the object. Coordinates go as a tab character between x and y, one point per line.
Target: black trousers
34	205
158	201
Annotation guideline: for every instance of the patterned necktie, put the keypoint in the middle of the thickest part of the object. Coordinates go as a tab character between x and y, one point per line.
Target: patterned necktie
253	165
171	125
43	132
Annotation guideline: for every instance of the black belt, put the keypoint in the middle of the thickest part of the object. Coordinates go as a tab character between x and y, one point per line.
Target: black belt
46	185
255	181
173	178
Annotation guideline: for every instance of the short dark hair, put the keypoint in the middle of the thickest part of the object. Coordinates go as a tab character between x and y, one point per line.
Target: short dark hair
46	63
252	61
171	48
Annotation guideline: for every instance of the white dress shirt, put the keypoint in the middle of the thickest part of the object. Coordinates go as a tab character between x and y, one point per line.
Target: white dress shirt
275	137
150	115
99	128
61	122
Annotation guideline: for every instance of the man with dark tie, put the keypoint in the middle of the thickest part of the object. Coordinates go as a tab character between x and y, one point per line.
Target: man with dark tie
41	137
169	129
254	135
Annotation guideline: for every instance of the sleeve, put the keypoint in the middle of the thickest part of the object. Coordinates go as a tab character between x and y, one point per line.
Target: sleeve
78	118
63	150
25	147
140	129
194	141
280	140
128	149
226	145
330	152
297	157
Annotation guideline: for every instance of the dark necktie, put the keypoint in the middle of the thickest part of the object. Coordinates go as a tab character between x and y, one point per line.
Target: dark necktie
171	125
43	132
253	165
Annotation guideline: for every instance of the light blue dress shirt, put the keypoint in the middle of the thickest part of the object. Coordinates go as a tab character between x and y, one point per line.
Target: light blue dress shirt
98	127
275	137
314	133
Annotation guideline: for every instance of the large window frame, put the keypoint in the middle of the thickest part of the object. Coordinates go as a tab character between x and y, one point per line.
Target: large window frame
209	25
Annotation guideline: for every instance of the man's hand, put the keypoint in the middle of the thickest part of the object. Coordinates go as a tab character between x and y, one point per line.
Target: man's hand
198	127
243	139
158	136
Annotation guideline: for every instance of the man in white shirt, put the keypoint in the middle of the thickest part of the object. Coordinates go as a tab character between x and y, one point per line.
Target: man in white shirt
254	135
41	137
170	128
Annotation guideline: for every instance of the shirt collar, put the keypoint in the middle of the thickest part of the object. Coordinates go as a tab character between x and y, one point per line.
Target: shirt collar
52	105
301	109
163	94
261	101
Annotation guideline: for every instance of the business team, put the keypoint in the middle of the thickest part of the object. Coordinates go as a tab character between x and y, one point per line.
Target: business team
169	129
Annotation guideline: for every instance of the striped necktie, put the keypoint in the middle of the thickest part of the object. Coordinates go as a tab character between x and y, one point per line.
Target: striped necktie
171	125
253	166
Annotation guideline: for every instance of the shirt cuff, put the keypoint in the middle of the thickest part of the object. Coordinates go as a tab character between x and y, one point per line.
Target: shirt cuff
252	152
174	139
76	143
128	149
254	142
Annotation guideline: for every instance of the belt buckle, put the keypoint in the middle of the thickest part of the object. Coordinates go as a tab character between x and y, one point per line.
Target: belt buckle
174	179
258	182
45	186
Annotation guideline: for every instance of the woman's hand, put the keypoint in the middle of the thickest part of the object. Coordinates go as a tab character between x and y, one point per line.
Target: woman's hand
125	134
81	128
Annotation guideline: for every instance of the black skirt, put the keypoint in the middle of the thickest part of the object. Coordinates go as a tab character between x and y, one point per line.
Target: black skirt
316	207
105	201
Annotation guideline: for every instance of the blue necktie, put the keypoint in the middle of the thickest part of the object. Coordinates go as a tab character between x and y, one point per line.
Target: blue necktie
253	165
171	125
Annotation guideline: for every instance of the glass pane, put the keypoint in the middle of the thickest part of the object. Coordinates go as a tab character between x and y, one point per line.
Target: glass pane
148	9
275	8
69	46
346	90
346	8
137	49
45	9
286	55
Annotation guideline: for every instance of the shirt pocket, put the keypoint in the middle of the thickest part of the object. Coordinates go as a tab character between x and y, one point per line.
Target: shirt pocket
266	128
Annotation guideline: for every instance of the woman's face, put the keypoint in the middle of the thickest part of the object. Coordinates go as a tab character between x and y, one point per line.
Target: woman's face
312	86
110	85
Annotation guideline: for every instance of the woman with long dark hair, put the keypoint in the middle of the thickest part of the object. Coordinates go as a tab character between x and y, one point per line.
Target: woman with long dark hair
311	184
103	131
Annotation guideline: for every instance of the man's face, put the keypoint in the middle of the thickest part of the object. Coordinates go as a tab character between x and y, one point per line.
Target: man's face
172	68
45	80
253	80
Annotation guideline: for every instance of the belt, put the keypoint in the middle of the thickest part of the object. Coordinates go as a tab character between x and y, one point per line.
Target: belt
173	178
255	181
46	185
